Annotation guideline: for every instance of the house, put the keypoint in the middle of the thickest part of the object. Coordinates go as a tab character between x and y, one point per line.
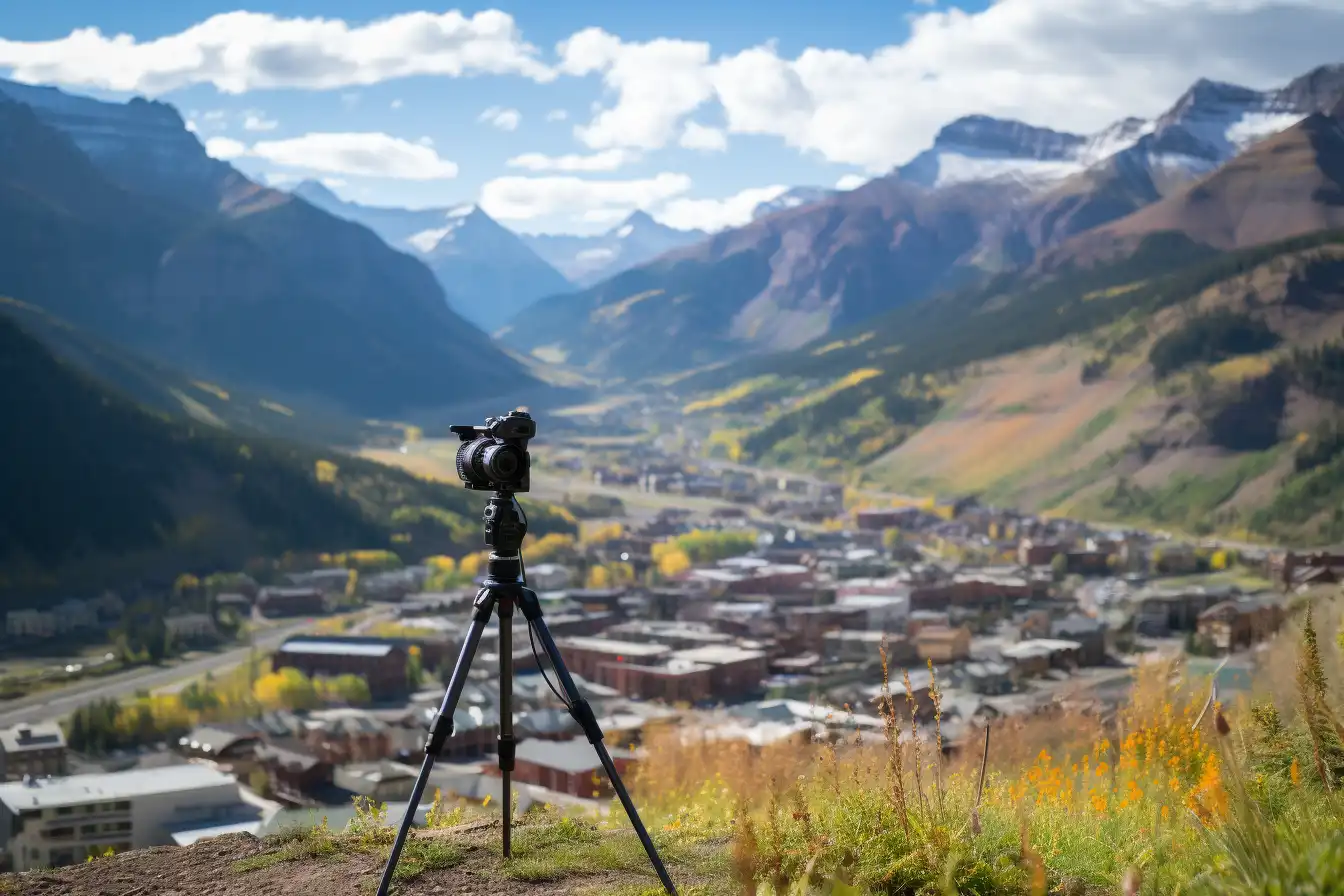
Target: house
293	769
325	581
223	744
943	644
549	576
344	735
570	767
734	671
1033	552
851	646
32	749
1237	624
988	677
1088	632
275	603
1039	655
63	821
880	612
1159	612
1293	569
379	661
384	782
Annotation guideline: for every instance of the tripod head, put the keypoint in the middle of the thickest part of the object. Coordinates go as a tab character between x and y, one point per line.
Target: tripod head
505	525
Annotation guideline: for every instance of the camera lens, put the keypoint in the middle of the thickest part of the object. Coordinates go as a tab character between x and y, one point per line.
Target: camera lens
484	462
502	462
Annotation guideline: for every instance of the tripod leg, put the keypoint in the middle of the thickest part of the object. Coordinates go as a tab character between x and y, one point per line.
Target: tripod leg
583	714
507	744
441	728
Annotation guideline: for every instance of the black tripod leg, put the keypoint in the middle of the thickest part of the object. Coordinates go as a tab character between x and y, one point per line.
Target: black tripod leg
583	714
441	728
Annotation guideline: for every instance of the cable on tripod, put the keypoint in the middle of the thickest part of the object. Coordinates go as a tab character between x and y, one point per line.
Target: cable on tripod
531	630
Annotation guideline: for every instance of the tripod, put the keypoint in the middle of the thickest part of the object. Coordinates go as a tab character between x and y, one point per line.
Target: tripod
505	588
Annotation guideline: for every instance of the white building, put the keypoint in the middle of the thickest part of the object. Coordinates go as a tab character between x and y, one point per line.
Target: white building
51	822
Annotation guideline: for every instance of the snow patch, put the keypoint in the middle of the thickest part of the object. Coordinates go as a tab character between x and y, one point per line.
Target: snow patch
426	240
624	231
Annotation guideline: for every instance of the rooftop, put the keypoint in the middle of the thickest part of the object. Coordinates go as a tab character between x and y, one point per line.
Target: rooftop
572	756
717	654
606	645
31	736
337	647
46	793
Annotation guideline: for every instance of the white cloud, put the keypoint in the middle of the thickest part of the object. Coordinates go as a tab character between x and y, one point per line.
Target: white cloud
699	136
285	178
396	104
1070	64
593	201
225	148
557	115
257	121
358	154
657	82
851	181
716	214
504	119
241	51
606	160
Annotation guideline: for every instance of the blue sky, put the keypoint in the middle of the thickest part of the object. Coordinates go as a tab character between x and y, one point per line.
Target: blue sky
769	94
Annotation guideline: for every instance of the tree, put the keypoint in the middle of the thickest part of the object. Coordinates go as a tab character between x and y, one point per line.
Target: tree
286	689
673	563
470	565
415	670
1218	561
598	577
1059	567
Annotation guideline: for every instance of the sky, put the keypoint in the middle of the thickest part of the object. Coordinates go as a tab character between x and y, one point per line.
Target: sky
566	116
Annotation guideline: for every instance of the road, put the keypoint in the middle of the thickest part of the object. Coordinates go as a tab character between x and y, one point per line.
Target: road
57	703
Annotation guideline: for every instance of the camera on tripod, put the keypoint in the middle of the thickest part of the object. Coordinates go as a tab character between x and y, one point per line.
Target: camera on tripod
494	457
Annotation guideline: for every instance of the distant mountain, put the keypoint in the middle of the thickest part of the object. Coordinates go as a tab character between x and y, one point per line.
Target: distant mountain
989	197
1289	184
777	283
791	199
487	271
586	260
113	218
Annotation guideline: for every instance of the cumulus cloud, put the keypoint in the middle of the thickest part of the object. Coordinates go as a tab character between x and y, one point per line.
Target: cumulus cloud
699	136
1075	64
504	119
850	181
241	51
716	214
591	201
257	121
225	148
358	154
606	160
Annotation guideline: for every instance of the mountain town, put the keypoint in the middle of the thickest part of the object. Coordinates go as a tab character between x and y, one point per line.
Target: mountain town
972	525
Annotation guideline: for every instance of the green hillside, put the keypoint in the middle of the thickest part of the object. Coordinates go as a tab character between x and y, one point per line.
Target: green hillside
1180	385
97	489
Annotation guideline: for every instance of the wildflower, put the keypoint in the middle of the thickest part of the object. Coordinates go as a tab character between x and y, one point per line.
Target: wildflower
485	802
1295	773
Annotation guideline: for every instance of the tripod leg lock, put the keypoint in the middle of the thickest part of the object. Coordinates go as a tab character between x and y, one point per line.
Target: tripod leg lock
439	731
508	749
587	719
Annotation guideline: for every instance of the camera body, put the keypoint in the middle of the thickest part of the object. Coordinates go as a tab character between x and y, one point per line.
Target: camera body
494	457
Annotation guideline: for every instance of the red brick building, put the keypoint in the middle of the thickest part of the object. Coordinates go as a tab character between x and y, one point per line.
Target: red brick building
569	766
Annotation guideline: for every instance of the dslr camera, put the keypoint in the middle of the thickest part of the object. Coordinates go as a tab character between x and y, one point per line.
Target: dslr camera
494	457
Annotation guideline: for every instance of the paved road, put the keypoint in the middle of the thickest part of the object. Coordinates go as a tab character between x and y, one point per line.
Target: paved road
55	704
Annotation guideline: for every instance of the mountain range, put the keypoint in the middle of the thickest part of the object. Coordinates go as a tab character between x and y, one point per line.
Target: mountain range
487	271
114	219
990	196
586	260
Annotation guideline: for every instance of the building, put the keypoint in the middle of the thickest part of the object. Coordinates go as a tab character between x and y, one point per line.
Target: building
943	644
384	782
1159	612
380	662
1292	570
293	769
850	646
1039	655
32	750
278	602
586	656
735	672
1237	624
191	628
61	821
881	612
1033	552
570	767
227	745
1089	632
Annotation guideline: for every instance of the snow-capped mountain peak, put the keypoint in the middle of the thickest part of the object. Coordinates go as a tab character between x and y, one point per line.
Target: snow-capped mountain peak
791	199
978	147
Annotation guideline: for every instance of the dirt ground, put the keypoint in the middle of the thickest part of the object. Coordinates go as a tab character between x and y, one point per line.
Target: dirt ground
242	865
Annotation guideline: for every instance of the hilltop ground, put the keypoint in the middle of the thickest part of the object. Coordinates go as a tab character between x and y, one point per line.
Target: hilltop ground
549	859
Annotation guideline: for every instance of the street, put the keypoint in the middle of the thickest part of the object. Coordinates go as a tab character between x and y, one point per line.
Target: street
57	703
